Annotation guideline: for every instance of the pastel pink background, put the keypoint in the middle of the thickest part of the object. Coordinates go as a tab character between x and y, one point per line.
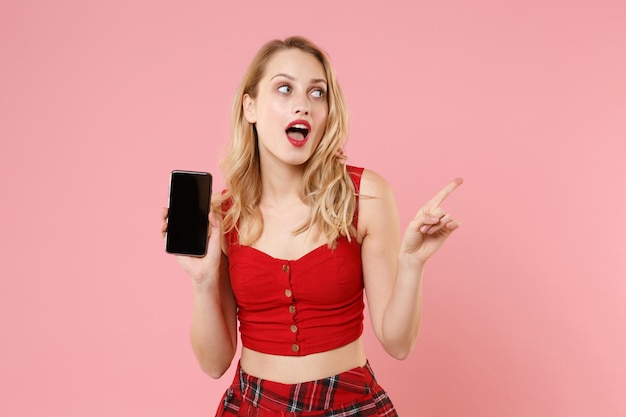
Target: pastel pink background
523	308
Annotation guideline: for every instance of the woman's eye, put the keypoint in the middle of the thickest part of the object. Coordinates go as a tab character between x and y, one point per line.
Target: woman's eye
318	93
284	89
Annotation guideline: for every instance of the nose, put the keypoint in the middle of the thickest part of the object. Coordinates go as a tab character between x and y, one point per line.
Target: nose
301	105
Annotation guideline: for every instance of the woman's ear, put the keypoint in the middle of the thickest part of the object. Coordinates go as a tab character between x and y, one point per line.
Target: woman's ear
249	109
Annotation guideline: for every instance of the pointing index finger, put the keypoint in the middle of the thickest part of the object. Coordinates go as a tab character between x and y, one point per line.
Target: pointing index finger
445	192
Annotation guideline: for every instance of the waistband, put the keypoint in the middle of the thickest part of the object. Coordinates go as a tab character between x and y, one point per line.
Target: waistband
322	394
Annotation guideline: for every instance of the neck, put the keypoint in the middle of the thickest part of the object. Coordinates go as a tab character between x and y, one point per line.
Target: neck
279	181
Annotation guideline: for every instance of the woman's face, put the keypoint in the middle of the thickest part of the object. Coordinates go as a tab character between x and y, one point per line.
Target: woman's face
291	108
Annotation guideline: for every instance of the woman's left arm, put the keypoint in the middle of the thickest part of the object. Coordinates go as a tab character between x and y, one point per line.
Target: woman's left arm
393	268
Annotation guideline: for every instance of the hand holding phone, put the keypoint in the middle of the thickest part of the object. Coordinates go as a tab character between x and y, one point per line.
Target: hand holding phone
189	205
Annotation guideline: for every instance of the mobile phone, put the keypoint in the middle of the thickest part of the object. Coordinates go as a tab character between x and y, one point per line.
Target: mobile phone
188	215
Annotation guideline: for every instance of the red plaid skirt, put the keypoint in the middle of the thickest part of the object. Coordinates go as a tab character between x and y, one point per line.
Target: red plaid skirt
351	393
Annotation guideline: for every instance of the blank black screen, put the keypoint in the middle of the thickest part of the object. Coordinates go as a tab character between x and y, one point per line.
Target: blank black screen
187	225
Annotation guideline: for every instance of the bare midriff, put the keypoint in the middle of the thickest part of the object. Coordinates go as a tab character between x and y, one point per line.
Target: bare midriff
295	369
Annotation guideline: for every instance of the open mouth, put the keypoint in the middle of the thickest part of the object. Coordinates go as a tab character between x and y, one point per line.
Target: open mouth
298	131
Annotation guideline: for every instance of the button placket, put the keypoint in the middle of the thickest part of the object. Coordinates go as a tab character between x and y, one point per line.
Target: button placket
292	309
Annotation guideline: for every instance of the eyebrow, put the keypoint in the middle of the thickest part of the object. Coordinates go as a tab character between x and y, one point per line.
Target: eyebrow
292	78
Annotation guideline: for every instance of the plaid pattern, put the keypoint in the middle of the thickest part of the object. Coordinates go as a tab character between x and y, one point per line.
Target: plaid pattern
352	393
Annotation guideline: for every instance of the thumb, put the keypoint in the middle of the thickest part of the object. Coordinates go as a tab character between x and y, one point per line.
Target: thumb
215	230
214	223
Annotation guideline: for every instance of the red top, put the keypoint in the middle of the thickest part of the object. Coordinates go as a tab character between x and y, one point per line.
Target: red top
299	307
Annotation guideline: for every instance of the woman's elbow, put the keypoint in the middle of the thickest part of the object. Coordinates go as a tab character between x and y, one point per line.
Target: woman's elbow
213	372
213	369
399	349
214	365
399	353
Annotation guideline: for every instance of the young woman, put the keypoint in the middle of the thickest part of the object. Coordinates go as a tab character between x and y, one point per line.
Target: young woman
295	239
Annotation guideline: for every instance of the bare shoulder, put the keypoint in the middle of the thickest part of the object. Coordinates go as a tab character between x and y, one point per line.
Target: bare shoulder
373	185
377	204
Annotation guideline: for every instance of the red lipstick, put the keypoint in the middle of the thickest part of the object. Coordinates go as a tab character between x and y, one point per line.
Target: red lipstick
298	132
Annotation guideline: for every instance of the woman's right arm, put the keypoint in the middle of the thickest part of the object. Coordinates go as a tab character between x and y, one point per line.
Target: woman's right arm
214	322
214	318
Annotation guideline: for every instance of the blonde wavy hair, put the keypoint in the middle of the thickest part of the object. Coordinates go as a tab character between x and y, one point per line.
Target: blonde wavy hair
326	186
